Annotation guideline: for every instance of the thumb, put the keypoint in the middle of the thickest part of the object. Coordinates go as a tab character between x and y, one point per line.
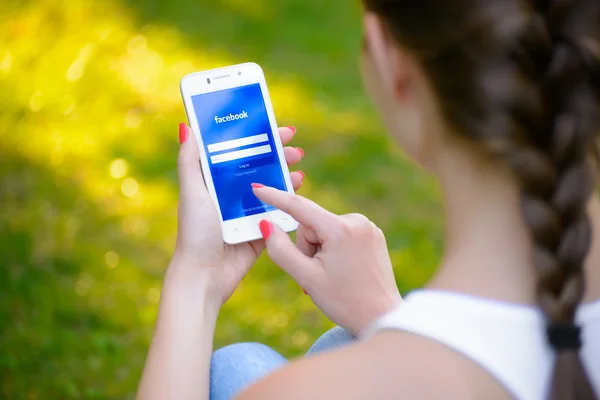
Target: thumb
191	182
283	252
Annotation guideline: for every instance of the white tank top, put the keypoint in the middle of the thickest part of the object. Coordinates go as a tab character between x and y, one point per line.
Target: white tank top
507	340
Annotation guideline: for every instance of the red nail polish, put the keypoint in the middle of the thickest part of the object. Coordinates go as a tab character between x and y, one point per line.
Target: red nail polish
265	228
301	151
292	128
183	133
301	173
257	185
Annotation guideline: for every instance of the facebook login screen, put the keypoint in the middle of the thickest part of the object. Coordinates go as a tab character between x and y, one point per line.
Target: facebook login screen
240	147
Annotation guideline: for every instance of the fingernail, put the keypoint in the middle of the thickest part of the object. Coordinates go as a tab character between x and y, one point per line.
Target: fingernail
301	173
305	292
183	133
292	128
301	151
265	228
257	185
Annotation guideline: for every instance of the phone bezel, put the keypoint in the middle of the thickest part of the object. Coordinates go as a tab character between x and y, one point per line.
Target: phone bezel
244	229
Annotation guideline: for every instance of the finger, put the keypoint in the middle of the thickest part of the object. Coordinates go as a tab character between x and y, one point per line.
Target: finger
191	183
287	256
297	179
301	209
307	241
287	134
293	155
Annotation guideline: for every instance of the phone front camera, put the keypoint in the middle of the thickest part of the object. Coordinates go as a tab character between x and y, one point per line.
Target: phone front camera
208	80
239	73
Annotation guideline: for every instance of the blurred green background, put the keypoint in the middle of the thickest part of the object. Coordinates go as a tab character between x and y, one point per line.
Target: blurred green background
89	107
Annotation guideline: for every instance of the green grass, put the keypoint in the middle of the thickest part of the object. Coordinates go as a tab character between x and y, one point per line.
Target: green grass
89	104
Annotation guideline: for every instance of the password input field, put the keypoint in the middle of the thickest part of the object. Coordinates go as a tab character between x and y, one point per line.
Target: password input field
232	144
236	155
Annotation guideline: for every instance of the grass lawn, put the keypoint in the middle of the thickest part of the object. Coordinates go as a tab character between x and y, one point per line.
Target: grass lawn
89	107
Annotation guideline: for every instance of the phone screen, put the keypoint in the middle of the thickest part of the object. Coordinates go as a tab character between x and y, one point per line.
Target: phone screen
238	140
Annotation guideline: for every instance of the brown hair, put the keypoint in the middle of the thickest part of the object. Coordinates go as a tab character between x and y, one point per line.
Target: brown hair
521	78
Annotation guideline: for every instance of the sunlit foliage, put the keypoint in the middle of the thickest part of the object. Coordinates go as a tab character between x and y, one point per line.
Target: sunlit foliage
89	107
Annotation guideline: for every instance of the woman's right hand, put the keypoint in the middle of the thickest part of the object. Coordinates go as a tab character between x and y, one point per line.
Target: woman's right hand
342	262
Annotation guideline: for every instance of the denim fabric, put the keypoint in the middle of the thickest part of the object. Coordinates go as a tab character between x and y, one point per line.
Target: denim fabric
235	367
332	339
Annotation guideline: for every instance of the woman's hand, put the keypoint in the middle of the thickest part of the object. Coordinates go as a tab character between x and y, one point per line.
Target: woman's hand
200	250
341	261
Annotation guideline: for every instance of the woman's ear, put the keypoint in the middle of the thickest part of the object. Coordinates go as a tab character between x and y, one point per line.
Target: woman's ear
376	47
392	80
390	63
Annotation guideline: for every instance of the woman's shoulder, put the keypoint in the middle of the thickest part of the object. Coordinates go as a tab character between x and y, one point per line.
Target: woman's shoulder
384	366
432	346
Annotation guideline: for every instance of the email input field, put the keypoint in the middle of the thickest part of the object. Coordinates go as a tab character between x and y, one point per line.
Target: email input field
236	155
232	144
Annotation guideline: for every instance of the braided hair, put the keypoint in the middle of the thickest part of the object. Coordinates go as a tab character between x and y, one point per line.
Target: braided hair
521	79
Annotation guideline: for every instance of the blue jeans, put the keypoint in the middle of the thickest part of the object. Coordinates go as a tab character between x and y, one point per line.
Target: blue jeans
235	367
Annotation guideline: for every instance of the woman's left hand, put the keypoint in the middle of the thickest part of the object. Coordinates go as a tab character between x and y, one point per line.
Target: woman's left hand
200	250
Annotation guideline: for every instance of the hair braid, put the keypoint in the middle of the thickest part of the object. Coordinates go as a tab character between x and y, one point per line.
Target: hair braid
562	46
570	85
521	78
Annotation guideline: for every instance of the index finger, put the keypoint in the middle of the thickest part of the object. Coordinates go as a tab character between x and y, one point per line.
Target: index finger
304	211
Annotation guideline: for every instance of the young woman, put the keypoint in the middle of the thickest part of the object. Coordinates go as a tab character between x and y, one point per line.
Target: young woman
501	101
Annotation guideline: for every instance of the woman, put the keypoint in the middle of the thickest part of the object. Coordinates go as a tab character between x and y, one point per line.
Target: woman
501	101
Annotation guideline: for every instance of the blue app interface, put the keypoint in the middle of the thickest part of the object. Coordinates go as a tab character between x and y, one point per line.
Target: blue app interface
239	143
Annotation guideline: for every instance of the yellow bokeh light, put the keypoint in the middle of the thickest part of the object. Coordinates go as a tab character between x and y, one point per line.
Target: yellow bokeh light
68	104
81	288
84	284
129	187
267	330
77	68
153	295
299	338
111	259
6	62
75	71
118	168
281	320
136	45
36	103
135	225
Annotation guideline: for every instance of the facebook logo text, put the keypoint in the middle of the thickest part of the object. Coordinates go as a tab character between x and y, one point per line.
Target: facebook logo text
240	145
231	117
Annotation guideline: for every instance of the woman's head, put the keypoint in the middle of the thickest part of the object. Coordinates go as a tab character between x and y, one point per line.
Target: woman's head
517	82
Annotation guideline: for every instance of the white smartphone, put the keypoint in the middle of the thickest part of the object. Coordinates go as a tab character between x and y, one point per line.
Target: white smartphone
230	112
